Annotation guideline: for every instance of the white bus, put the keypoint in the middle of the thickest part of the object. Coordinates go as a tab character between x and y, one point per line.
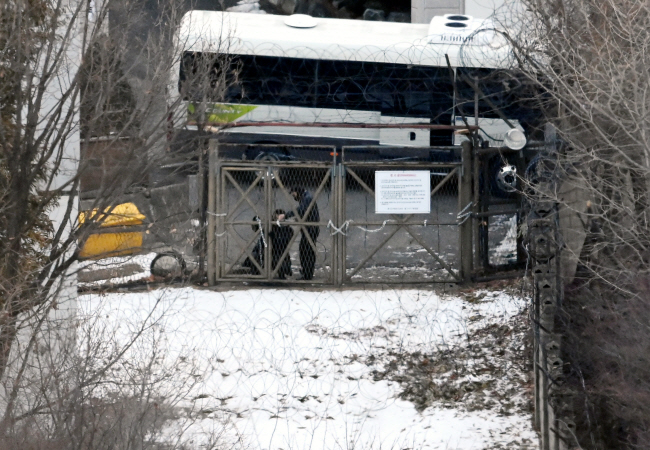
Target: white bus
299	70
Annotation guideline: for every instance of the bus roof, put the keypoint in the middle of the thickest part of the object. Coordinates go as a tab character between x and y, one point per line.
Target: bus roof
341	39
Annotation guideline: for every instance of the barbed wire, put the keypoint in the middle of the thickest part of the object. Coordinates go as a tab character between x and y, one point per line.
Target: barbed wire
331	79
323	359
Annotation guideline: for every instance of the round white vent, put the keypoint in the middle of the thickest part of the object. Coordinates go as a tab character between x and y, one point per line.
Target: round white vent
300	21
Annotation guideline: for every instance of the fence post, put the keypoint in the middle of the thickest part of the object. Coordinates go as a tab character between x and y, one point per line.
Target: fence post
213	149
340	220
465	210
553	404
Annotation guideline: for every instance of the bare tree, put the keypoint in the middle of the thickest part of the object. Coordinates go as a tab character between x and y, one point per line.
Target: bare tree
591	60
65	80
42	90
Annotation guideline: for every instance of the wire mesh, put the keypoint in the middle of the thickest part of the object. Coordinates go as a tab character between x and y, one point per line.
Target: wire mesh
401	247
275	211
318	222
310	218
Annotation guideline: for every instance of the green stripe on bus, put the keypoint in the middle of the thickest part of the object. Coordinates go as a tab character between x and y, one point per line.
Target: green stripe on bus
218	113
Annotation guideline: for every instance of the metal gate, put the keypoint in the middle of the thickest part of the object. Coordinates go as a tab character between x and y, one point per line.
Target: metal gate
243	220
247	241
400	247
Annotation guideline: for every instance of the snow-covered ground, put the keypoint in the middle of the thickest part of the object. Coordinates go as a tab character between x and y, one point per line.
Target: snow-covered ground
328	369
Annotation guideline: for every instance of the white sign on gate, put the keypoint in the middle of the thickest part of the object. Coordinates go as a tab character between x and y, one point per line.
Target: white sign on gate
402	192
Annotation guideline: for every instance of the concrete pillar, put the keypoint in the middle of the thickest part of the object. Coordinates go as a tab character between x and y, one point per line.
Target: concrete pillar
422	11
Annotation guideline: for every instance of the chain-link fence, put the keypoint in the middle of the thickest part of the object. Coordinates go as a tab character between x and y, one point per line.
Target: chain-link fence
319	221
311	213
265	211
400	247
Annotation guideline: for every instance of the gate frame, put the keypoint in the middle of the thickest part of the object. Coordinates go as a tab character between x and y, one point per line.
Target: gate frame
216	222
460	275
473	210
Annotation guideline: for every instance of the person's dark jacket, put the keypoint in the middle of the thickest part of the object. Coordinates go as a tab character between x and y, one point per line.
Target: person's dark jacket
303	205
280	237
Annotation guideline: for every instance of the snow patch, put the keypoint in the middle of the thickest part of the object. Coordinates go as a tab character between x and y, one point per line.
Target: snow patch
332	369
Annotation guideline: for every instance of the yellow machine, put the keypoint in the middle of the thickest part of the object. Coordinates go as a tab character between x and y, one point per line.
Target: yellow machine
120	232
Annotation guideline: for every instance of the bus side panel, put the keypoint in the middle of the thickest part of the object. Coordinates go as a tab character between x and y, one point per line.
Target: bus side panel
408	137
309	116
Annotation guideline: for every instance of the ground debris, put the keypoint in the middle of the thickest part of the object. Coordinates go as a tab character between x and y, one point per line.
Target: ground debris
486	371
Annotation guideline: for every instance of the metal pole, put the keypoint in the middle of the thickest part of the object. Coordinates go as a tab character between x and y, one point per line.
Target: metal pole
482	249
343	218
213	149
340	219
266	222
483	222
221	209
418	126
203	204
476	197
476	222
464	205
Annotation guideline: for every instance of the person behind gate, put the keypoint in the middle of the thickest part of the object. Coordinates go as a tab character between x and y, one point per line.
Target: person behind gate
307	252
280	238
257	253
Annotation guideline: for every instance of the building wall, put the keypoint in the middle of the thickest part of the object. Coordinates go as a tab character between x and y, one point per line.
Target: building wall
482	8
422	11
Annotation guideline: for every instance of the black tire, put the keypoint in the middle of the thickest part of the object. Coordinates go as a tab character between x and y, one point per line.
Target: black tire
168	264
269	158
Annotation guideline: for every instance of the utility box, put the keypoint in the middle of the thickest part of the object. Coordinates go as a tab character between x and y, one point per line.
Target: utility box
120	232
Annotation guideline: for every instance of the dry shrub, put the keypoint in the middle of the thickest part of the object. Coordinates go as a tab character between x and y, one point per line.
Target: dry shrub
607	346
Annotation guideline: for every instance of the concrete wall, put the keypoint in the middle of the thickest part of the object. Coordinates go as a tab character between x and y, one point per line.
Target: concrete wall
422	11
71	55
481	8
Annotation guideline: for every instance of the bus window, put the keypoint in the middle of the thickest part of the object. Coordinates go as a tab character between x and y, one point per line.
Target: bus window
202	78
392	89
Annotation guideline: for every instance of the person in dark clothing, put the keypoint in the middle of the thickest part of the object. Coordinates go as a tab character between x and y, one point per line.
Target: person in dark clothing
257	252
307	252
280	237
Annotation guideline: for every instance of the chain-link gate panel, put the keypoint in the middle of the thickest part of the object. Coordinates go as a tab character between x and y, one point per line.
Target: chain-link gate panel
274	211
401	248
316	222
